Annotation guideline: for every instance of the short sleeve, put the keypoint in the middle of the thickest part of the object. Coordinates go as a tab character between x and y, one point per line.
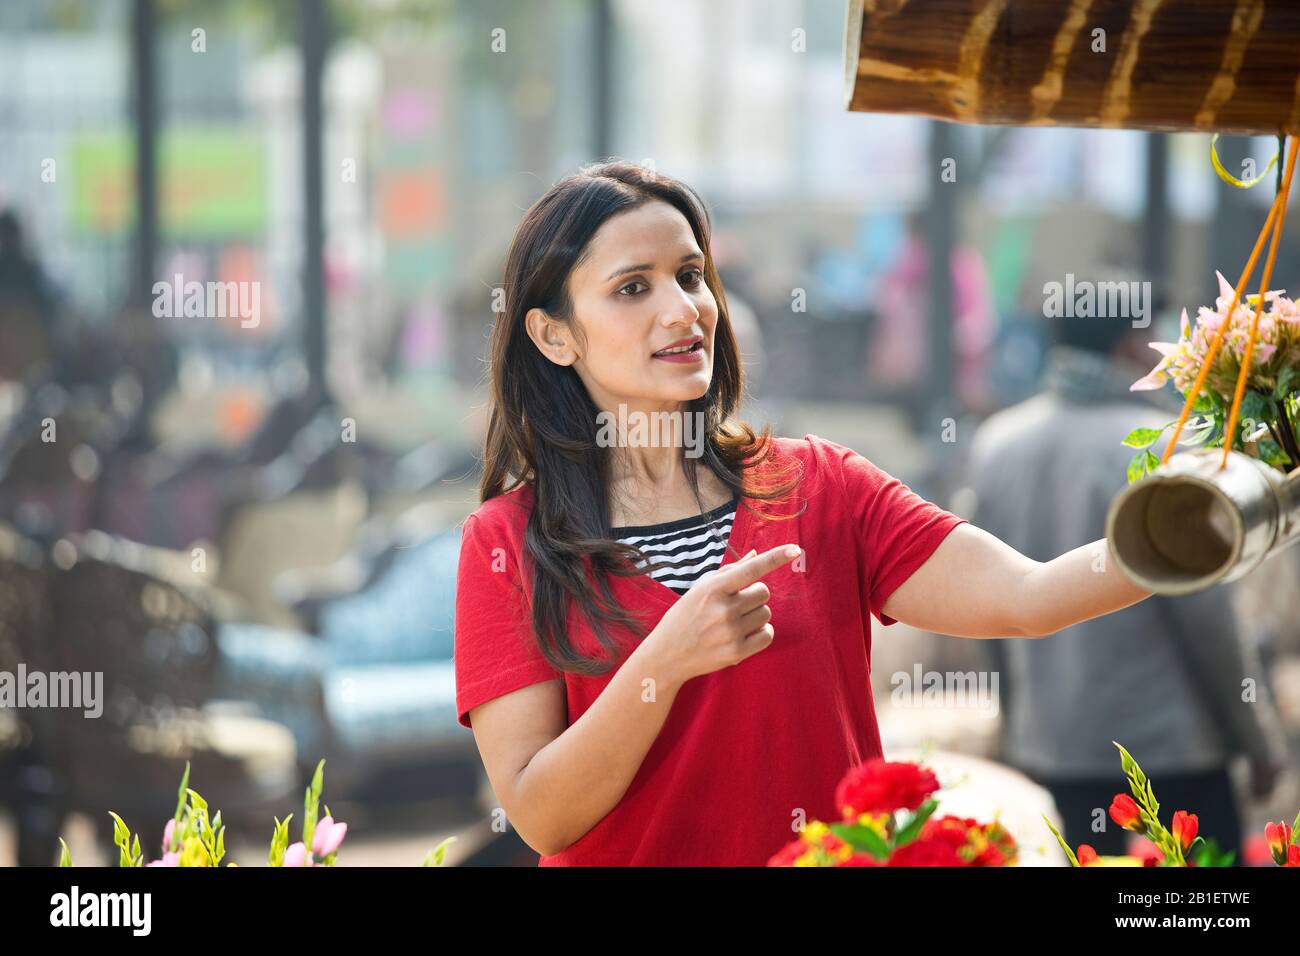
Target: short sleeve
897	529
495	652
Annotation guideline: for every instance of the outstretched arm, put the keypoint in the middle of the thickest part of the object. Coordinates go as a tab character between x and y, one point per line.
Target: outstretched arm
975	585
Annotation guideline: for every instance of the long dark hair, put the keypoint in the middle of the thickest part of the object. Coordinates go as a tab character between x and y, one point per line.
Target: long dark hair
543	425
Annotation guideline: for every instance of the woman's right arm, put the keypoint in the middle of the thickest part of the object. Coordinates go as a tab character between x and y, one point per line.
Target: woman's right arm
555	782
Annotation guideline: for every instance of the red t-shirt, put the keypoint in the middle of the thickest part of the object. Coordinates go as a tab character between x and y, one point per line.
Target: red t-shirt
744	749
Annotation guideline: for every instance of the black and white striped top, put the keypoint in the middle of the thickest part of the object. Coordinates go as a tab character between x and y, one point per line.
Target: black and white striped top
682	552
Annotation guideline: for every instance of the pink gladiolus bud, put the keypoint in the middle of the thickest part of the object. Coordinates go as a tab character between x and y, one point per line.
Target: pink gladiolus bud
327	838
168	859
168	832
296	855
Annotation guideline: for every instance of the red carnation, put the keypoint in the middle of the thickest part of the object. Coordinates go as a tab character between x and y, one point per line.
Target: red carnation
937	845
788	853
935	851
880	786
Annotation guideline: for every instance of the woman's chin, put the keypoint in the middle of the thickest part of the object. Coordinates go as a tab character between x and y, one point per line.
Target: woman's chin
687	389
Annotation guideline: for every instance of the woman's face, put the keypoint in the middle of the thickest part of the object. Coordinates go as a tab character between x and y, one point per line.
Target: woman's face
639	290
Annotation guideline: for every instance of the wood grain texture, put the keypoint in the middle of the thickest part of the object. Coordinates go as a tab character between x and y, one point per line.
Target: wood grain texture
1229	66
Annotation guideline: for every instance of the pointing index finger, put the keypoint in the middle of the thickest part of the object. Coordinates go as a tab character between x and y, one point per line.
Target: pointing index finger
748	570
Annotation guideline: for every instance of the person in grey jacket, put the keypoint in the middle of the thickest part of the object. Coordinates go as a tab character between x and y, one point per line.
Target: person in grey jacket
1171	679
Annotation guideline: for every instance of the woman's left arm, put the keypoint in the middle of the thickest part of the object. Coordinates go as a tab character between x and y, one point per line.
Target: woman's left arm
976	585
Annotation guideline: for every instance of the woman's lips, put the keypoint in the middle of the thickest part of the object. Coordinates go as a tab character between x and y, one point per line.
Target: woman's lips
696	354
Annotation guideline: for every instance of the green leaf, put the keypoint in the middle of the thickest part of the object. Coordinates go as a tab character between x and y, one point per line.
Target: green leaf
1074	860
435	856
318	780
1142	437
65	858
1198	431
180	794
1271	453
1258	408
862	838
912	829
196	801
121	832
279	841
311	803
1287	382
1209	854
1137	467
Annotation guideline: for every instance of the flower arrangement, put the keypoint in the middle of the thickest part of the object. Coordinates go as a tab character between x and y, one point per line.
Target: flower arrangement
1176	845
190	838
1271	384
1238	366
888	820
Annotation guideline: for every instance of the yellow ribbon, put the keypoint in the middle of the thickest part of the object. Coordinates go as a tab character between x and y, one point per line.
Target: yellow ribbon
1232	180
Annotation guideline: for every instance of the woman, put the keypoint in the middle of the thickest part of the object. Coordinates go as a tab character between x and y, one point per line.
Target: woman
695	714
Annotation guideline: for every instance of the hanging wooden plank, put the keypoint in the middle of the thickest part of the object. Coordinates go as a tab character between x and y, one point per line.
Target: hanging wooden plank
1229	66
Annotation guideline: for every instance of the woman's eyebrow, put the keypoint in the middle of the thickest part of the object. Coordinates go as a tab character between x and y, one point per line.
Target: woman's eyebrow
642	266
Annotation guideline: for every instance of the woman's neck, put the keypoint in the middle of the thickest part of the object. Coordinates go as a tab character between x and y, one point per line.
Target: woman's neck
649	486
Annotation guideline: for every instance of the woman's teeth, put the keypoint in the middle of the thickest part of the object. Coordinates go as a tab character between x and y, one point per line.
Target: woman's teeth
683	348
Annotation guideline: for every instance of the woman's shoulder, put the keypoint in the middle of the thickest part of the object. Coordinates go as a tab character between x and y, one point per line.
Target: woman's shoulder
822	462
506	513
812	450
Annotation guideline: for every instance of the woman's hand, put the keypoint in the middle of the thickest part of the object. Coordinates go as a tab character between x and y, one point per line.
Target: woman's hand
721	620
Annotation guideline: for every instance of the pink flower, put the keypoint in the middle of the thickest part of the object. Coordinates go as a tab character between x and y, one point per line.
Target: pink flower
168	859
296	855
168	832
1226	292
1157	377
1276	345
327	837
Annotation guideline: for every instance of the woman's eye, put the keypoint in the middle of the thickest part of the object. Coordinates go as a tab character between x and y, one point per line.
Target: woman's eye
692	278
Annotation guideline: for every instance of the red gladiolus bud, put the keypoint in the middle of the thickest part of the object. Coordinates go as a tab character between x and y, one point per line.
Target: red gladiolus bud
1278	836
1124	811
1185	827
1086	855
1292	855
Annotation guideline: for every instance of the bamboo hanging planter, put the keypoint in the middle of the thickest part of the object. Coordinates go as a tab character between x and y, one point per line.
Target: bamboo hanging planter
1225	66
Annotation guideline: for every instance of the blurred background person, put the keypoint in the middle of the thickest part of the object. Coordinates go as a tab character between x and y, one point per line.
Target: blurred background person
28	331
898	350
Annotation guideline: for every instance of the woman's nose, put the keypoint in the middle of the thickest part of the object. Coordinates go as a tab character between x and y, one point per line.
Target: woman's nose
681	311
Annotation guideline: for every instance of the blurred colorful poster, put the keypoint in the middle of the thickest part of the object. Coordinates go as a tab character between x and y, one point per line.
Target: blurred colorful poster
212	183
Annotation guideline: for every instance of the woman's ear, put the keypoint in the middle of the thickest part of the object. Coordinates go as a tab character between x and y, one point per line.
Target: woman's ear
551	337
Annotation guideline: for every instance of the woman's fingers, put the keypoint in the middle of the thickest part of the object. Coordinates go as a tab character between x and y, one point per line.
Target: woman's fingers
743	573
751	597
753	620
757	641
